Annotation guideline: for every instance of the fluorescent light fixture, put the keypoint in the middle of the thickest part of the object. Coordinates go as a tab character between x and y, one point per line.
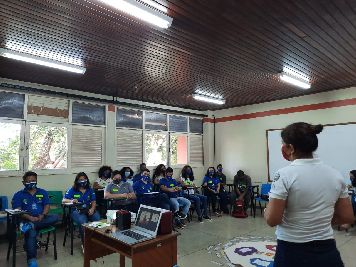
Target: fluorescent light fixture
295	81
155	5
142	11
41	61
295	73
209	99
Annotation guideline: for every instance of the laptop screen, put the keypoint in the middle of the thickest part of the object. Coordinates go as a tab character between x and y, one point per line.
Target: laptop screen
148	218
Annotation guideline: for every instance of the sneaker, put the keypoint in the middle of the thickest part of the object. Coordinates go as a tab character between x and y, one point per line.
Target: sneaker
200	219
207	218
24	227
217	213
180	225
32	263
181	215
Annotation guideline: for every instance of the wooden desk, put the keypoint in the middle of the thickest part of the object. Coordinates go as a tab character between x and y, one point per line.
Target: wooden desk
161	251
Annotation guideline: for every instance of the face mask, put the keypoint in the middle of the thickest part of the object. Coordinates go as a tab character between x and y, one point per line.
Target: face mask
145	178
107	174
82	183
284	153
127	174
116	181
30	185
220	169
211	173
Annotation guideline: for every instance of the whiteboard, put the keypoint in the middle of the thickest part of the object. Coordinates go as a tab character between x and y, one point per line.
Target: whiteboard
337	148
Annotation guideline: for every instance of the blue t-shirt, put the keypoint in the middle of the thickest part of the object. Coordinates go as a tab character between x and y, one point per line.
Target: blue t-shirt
170	182
140	187
86	198
33	204
212	182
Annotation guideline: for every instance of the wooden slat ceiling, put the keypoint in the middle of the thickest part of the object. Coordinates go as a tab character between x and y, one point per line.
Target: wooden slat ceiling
231	48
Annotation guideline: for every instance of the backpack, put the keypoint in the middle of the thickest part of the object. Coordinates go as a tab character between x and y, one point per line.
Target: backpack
239	211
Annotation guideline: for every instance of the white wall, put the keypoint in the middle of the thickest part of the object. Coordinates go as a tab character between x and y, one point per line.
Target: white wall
241	144
9	185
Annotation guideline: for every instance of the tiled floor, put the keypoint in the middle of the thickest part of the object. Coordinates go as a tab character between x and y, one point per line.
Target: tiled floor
192	244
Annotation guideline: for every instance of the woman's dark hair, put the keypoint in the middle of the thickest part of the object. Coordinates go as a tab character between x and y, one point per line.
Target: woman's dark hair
115	173
207	172
122	172
185	173
302	136
169	169
103	169
353	172
219	166
75	186
28	174
158	171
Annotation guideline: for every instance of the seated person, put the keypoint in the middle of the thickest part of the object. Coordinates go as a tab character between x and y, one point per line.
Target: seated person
159	173
353	185
143	189
201	202
212	189
170	186
35	201
104	178
127	174
82	193
122	193
242	185
138	175
221	176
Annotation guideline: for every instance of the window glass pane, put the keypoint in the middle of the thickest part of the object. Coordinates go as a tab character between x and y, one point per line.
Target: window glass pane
179	149
11	105
178	123
195	125
155	121
88	114
48	147
129	118
9	146
155	149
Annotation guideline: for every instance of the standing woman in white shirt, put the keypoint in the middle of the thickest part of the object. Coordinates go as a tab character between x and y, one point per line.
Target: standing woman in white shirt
306	198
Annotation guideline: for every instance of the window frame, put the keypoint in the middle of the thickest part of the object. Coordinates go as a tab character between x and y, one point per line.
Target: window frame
66	170
166	133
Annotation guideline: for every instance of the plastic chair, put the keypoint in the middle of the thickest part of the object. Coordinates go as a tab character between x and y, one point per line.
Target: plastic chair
55	202
265	188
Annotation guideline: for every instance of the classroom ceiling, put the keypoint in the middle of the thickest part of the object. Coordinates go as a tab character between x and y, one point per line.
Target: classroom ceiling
231	48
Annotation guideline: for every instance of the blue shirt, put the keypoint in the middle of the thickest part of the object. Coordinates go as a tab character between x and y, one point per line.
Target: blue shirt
212	182
170	182
138	177
86	198
140	187
33	204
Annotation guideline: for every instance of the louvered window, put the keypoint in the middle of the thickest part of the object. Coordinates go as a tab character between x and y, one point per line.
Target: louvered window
87	146
129	148
196	150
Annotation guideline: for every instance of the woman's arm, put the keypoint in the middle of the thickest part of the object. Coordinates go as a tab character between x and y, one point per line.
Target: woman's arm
274	211
343	213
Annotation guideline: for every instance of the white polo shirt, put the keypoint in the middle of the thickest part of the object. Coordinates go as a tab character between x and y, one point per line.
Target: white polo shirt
311	189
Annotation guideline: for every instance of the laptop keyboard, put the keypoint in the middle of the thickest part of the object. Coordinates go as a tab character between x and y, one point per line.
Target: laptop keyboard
133	235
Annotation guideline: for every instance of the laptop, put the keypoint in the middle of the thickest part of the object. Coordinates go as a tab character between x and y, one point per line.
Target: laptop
146	226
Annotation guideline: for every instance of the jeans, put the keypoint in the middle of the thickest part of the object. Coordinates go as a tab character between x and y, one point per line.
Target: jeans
201	203
80	219
30	235
311	254
180	201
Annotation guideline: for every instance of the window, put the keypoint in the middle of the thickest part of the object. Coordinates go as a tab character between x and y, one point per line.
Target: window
10	146
196	125
129	147
155	149
178	149
155	121
12	105
196	157
88	113
48	147
129	118
178	123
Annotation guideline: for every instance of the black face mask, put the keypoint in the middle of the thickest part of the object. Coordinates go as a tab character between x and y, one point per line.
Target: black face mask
116	181
107	174
353	182
82	183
